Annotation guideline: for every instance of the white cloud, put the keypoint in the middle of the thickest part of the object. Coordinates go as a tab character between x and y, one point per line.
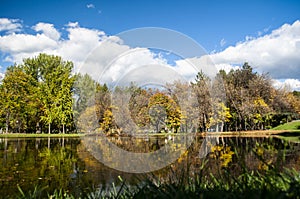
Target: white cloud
222	42
92	51
291	84
226	67
276	53
1	75
48	30
25	43
191	66
73	25
90	5
76	47
10	25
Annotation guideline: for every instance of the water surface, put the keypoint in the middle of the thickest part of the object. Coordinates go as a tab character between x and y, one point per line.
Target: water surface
67	163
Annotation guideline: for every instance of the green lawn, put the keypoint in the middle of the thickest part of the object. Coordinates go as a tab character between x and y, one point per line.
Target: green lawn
294	125
20	135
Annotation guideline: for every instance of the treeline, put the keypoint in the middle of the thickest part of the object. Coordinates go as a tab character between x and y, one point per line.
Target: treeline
42	95
37	96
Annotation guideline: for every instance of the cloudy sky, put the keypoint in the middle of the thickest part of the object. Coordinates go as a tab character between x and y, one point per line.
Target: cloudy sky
266	34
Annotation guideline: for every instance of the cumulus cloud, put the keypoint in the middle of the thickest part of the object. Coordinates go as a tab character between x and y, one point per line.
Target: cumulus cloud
191	66
15	47
24	43
48	30
291	84
10	25
93	52
276	53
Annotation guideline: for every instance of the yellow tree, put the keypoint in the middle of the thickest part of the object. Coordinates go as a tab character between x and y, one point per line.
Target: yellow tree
164	112
221	115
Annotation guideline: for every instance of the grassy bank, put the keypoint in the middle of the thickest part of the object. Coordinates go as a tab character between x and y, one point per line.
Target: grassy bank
255	133
29	135
294	125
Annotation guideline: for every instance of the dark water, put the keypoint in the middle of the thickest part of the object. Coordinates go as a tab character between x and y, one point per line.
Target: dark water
68	163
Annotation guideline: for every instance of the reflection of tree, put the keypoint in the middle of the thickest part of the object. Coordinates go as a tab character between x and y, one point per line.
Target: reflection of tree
56	165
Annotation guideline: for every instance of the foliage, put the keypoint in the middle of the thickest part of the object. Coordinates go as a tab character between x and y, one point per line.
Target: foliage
42	95
164	112
37	93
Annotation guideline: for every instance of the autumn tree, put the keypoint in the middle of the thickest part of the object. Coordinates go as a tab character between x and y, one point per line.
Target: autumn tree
185	97
202	87
138	105
164	112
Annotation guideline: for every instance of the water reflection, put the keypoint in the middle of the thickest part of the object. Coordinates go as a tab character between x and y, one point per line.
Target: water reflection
67	163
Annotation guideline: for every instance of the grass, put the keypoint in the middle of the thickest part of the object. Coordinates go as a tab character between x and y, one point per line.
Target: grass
249	184
42	135
294	125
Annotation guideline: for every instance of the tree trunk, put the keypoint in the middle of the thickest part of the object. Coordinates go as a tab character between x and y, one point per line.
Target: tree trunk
63	129
222	126
7	122
49	128
6	131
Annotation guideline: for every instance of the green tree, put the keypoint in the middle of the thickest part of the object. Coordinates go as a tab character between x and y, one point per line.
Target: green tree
53	77
17	99
84	91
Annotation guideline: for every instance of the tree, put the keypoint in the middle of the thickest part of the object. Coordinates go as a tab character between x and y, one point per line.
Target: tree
84	92
220	117
164	112
53	77
17	100
185	97
202	90
138	105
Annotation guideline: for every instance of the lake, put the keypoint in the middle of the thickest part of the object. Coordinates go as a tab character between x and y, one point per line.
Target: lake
75	164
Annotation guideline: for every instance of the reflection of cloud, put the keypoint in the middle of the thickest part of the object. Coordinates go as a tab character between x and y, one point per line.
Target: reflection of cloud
90	5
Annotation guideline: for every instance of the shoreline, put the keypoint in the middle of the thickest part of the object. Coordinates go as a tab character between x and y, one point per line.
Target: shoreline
259	133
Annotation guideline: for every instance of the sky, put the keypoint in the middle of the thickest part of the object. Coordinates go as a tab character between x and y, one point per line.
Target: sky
264	33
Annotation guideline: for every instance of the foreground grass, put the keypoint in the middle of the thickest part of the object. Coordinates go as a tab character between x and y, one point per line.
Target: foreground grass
249	184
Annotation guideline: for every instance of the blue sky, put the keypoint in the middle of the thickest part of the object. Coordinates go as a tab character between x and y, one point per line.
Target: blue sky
214	24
